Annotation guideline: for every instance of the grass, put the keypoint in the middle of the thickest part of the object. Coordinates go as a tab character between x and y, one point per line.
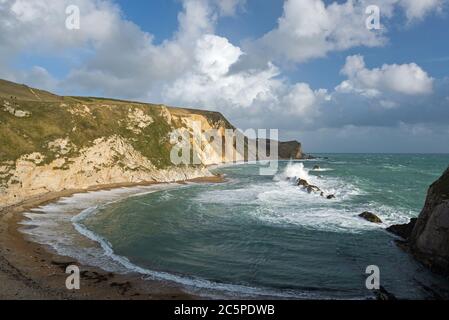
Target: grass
54	117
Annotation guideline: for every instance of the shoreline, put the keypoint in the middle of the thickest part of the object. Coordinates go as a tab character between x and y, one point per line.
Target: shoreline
29	270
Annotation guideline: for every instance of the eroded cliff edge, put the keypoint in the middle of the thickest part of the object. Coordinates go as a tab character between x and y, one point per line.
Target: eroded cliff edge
51	143
429	240
427	237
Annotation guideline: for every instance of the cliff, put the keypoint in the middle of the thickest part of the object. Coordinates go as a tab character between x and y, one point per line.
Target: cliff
51	143
429	240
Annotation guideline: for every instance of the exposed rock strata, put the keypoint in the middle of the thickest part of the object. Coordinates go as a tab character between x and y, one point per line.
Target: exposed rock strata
52	143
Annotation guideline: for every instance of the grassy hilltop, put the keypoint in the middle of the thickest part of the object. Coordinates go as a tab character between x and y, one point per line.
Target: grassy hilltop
30	119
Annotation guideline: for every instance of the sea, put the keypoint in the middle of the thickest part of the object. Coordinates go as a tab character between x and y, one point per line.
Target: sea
257	236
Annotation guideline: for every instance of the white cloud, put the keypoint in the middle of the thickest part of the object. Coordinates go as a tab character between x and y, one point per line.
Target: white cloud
209	83
302	101
418	9
116	55
407	79
413	9
244	94
197	68
310	29
215	55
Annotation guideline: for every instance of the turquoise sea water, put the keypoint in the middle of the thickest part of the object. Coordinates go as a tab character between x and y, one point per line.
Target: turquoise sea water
257	236
264	234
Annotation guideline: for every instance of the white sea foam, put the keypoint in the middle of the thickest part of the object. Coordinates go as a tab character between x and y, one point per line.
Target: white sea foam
293	171
60	225
279	201
282	202
192	283
322	170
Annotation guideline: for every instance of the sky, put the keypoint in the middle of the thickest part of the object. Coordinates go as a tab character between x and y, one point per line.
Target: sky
310	68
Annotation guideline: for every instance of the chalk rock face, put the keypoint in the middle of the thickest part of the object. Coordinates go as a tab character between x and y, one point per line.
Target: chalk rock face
429	241
51	143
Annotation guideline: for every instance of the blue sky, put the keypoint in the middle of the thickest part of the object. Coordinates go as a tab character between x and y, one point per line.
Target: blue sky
306	67
425	42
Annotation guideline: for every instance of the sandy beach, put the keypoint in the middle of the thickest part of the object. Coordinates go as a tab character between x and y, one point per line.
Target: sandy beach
31	271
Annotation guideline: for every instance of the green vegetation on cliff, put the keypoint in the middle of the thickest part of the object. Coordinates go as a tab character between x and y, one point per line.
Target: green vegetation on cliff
31	119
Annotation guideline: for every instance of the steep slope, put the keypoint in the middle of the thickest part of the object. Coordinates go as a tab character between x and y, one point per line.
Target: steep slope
51	143
429	240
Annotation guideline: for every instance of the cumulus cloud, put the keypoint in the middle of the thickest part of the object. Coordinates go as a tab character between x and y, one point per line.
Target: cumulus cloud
117	56
210	83
195	67
304	102
310	29
408	79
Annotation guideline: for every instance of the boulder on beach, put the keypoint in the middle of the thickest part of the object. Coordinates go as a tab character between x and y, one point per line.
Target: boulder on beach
371	217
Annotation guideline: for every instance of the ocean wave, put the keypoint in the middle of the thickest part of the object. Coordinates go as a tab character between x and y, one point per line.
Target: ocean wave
281	202
275	201
190	283
60	225
322	170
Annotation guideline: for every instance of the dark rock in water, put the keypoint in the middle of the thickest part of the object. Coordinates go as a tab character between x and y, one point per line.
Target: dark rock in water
316	167
429	241
302	182
309	187
371	217
330	197
383	295
403	230
312	188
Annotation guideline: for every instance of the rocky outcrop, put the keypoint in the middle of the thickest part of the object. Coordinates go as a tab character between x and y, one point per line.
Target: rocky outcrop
310	188
403	230
429	240
291	150
371	217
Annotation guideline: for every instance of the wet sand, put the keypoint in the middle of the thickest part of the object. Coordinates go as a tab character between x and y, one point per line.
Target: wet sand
32	271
